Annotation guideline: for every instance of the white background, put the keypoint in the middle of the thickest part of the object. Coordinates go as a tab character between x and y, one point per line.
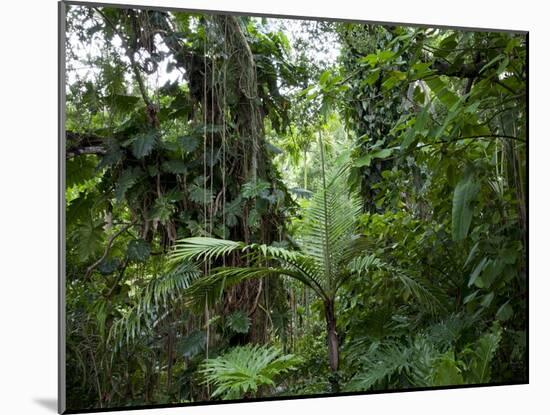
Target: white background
28	205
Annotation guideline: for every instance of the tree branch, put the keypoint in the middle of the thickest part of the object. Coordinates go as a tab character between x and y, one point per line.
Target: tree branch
463	71
82	143
108	248
77	151
472	137
130	53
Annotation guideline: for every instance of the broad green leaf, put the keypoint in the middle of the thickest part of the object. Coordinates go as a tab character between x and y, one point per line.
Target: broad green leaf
421	70
505	312
366	160
474	277
400	76
470	297
389	82
472	254
108	266
88	239
324	78
385	55
442	91
370	59
492	62
372	77
175	166
464	195
113	155
80	169
79	209
121	103
493	269
163	209
447	372
487	299
418	128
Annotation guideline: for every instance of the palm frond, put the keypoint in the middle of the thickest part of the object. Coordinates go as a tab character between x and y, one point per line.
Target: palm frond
298	265
211	287
362	265
426	294
202	248
150	303
169	287
422	291
330	225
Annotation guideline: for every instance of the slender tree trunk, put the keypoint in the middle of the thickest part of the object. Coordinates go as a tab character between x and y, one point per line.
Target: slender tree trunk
332	339
305	169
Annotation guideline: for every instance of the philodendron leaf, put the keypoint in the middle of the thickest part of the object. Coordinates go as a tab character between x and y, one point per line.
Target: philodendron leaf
126	180
108	266
188	143
144	144
465	193
138	250
482	354
88	239
447	371
192	344
238	322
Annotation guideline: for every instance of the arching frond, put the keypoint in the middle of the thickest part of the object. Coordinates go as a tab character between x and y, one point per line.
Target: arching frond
211	287
169	287
427	295
152	303
203	248
296	264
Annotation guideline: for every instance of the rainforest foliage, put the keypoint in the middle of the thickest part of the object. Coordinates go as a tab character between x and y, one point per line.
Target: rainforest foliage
264	207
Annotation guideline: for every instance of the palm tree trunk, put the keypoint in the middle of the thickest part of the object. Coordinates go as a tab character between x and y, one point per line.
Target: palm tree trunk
332	339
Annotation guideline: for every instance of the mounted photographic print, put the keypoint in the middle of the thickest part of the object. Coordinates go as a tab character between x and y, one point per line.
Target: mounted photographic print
265	207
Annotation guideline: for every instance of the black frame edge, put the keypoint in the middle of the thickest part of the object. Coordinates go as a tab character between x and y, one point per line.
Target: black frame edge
285	16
